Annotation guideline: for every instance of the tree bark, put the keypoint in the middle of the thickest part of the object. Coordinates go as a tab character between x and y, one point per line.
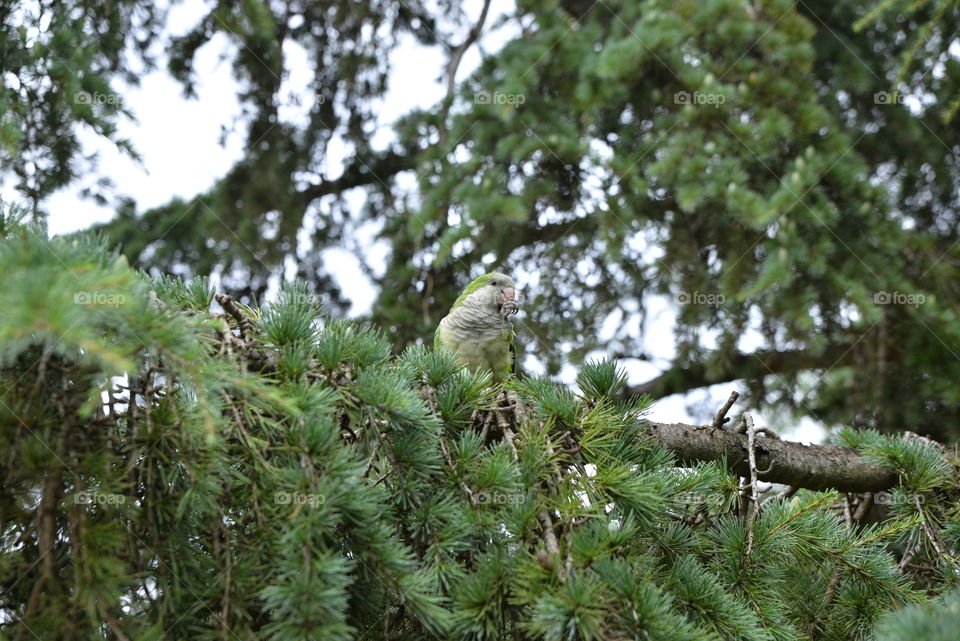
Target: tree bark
375	169
815	467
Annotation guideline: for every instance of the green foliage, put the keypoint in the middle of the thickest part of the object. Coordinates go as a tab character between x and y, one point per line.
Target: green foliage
270	473
937	620
292	319
550	400
59	69
601	379
930	25
925	500
195	294
921	466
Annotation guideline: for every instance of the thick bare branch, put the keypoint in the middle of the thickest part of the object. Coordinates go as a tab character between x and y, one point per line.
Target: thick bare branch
815	467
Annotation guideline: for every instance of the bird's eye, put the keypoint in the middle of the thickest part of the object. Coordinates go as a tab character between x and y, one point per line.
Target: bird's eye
493	282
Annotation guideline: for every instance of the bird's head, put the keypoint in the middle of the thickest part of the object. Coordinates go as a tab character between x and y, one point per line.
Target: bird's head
493	292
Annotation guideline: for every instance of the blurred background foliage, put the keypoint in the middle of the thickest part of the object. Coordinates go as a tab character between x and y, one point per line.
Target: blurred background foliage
785	173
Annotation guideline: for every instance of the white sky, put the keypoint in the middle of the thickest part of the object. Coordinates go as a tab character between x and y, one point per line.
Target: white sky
179	141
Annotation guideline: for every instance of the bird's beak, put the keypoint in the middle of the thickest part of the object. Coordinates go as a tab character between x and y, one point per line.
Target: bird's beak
508	302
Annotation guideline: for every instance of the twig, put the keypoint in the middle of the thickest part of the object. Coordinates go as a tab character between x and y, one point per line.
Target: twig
721	416
373	454
863	507
238	420
832	586
931	535
508	434
907	556
768	469
754	499
785	493
456	56
741	427
487	422
766	431
549	536
453	470
153	298
382	478
243	323
228	579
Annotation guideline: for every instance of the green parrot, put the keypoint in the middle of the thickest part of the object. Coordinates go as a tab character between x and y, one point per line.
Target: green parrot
477	327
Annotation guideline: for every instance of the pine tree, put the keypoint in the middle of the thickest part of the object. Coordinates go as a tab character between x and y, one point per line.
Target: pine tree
175	470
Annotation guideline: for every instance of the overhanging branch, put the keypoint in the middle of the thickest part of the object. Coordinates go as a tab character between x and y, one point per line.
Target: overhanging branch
677	380
370	171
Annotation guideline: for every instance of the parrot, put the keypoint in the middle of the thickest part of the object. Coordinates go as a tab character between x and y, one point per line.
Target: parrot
478	328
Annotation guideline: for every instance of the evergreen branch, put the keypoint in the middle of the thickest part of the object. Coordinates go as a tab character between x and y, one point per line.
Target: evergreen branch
896	527
931	535
592	548
803	510
866	576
